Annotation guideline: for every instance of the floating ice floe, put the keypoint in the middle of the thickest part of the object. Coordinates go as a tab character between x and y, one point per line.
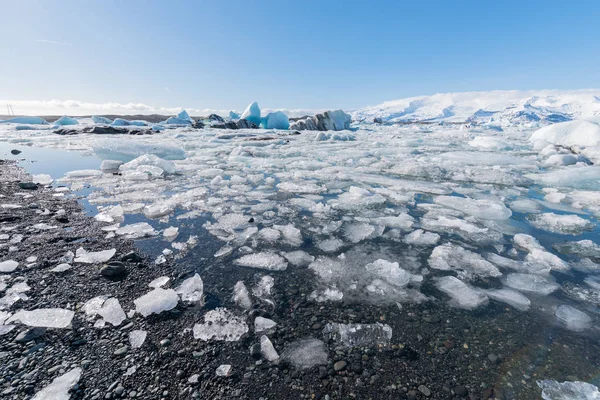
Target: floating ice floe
461	294
171	233
264	286
265	260
42	179
299	258
327	294
573	318
390	272
137	338
483	209
220	324
144	162
451	257
90	257
137	230
553	390
581	248
352	335
421	238
59	388
110	215
44	317
510	297
562	224
529	283
156	301
330	245
306	353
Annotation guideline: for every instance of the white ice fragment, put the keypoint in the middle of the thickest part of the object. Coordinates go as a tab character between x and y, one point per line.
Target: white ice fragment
42	179
8	266
553	390
304	187
330	245
111	214
110	165
264	260
224	251
490	143
60	386
112	312
241	296
291	234
269	235
357	198
267	349
483	209
264	286
510	297
306	353
327	294
390	272
562	224
171	233
354	335
137	338
359	231
44	317
156	301
223	370
191	289
462	295
529	283
220	324
263	324
421	238
574	319
451	257
89	257
84	173
137	230
158	210
299	258
159	282
149	160
581	248
525	206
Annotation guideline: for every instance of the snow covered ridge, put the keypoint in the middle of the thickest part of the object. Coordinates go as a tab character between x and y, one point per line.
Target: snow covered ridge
501	107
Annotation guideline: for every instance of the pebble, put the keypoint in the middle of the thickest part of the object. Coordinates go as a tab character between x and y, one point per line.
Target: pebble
113	269
121	351
461	391
425	390
340	366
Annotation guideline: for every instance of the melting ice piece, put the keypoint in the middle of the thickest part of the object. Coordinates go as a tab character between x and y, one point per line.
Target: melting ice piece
137	338
241	297
252	113
156	301
510	297
575	320
264	260
44	317
264	286
390	272
59	388
159	282
462	295
149	160
220	324
8	266
111	214
562	224
42	179
421	238
483	209
359	231
137	230
330	245
223	370
90	257
267	349
450	257
291	234
110	165
306	353
526	206
582	248
112	312
158	210
357	198
327	294
191	290
351	335
299	258
171	233
552	390
529	283
263	324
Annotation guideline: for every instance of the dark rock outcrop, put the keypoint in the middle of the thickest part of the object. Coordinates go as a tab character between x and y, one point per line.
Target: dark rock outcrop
328	121
103	130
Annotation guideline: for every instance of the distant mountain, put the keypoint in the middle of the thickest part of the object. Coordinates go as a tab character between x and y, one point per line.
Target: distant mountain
496	107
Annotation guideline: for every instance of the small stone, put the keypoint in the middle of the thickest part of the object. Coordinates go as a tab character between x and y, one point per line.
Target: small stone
493	358
425	390
28	186
340	366
131	257
119	390
15	152
165	342
113	269
255	350
461	391
121	351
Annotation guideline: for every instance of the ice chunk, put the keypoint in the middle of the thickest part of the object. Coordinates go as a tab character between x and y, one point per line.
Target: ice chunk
291	234
264	286
61	268
223	370
306	353
25	120
241	296
64	120
330	245
461	294
183	118
421	238
171	233
451	257
353	335
111	214
156	301
137	230
149	160
483	209
44	317
267	349
359	231
525	206
220	324
299	258
60	386
265	260
552	390
8	266
88	257
110	165
191	289
357	198
101	120
587	177
252	113
571	133
563	224
304	187
263	324
137	338
510	297
490	143
275	120
126	122
269	235
529	283
327	294
159	282
582	248
42	179
112	312
574	319
158	210
390	272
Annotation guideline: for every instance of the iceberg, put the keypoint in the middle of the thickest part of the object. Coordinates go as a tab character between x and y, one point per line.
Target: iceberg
252	113
275	120
62	121
571	133
125	122
101	120
183	118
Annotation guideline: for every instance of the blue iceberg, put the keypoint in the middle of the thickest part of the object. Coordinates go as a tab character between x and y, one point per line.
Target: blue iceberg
252	113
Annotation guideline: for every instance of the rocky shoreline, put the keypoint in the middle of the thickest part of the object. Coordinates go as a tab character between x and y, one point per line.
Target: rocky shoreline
435	352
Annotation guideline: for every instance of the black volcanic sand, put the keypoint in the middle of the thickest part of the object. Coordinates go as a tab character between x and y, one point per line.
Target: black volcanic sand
436	352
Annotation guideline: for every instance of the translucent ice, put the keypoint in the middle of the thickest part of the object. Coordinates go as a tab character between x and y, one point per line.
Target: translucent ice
241	296
484	209
451	257
574	319
552	390
510	297
275	120
137	338
352	335
582	248
265	260
267	349
264	286
421	238
42	179
156	301
112	312
60	386
531	283
137	230
223	370
220	324
252	113
64	120
462	295
263	324
563	224
306	353
299	258
149	160
90	257
44	317
390	272
171	233
191	289
126	150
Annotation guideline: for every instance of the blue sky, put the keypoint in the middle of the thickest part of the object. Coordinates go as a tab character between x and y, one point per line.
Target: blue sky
308	54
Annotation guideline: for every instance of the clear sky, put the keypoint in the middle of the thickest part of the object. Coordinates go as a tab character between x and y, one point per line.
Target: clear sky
291	54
